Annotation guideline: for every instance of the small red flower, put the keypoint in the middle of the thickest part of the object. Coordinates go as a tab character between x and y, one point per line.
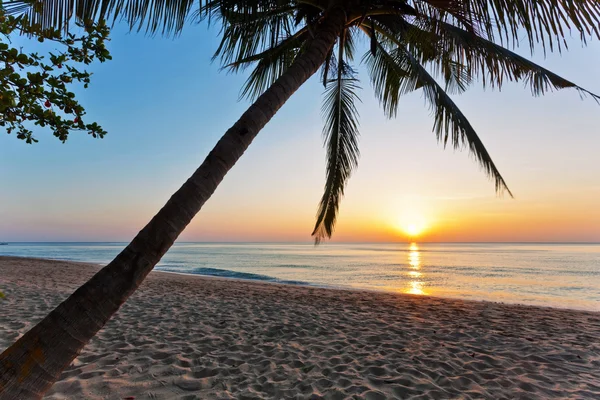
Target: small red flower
47	103
76	120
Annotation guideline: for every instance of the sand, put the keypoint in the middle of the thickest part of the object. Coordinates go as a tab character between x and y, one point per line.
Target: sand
190	337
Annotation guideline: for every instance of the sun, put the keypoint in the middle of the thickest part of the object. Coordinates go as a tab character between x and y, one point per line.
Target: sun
413	229
412	225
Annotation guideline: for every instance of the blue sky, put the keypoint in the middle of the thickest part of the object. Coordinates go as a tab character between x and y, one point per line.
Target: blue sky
165	104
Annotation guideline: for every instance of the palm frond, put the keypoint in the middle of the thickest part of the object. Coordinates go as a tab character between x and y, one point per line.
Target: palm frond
406	74
457	76
329	60
387	76
545	21
449	121
165	16
349	45
341	138
247	15
461	57
270	65
491	63
242	39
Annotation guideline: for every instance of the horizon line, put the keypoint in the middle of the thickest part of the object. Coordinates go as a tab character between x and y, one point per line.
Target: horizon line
324	243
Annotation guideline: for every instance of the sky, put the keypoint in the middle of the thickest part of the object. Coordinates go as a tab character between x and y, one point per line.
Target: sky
165	104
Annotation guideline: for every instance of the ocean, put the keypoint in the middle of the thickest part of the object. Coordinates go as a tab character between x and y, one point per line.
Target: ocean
555	275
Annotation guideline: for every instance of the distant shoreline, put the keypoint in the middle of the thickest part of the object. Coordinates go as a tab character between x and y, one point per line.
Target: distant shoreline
305	242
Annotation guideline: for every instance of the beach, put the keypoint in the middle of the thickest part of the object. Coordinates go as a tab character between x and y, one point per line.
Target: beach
193	337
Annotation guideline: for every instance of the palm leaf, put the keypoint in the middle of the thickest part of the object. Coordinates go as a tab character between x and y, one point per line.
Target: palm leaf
492	63
387	77
450	122
248	15
341	139
461	57
270	65
245	38
349	46
166	16
544	21
406	74
457	76
329	60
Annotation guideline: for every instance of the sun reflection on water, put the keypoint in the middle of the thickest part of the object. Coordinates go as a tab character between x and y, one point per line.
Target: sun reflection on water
414	261
416	287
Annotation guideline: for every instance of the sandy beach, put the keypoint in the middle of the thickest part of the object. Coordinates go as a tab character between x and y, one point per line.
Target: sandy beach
191	337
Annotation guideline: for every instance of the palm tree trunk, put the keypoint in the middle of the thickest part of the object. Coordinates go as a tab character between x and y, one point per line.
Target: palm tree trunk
31	365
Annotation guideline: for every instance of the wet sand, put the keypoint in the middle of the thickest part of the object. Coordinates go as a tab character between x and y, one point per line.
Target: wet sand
191	337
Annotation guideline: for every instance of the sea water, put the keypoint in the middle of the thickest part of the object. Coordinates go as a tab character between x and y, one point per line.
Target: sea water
556	275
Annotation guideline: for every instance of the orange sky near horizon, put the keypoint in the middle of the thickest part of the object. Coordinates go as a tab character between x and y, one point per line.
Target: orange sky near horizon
493	220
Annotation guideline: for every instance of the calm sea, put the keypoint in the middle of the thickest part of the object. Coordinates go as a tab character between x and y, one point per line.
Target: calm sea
557	275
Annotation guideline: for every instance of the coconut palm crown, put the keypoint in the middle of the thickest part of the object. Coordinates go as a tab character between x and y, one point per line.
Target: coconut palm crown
438	46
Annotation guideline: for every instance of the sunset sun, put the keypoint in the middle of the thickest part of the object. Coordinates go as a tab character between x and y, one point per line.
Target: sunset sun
412	225
413	229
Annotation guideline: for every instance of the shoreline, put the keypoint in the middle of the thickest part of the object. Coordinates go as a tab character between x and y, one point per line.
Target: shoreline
318	286
190	336
366	291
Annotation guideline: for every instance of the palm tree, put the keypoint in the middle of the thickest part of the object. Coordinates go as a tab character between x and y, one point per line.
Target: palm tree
414	44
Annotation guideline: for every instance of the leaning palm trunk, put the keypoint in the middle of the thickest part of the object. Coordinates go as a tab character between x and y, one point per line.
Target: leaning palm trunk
30	366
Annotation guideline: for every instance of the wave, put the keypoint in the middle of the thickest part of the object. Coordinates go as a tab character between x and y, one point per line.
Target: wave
225	273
